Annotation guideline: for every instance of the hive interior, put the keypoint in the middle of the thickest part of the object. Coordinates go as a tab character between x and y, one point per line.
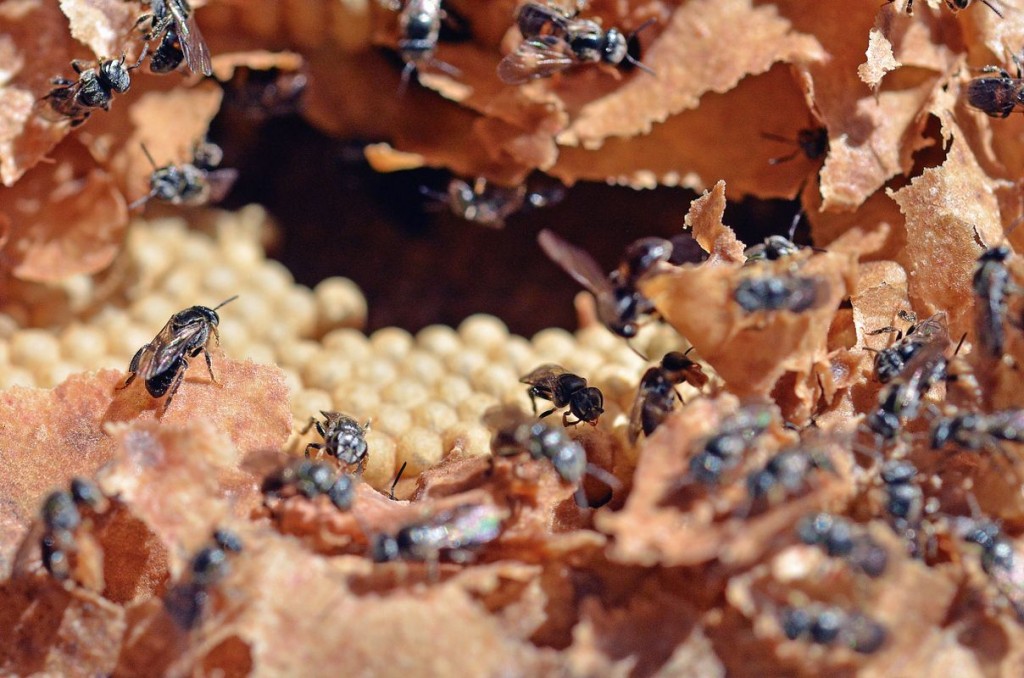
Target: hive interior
670	576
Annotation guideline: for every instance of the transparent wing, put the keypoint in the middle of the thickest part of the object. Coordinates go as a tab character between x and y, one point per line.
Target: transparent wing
536	58
576	262
220	182
469	525
536	20
193	45
545	372
168	347
636	415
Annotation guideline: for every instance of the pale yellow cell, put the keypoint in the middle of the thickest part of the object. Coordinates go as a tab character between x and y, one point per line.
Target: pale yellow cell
33	348
405	393
466	363
467	440
422	367
380	461
436	416
483	332
309	402
83	345
495	379
439	340
553	345
350	343
328	371
453	390
339	303
390	419
421	448
391	342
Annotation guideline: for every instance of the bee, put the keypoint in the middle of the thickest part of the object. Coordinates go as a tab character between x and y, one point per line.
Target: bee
974	431
724	449
516	433
344	438
187	601
311	479
419	27
811	141
620	305
997	96
489	204
785	474
174	23
931	334
62	515
454	535
841	539
199	182
824	625
552	382
780	293
773	248
162	362
554	42
954	5
999	559
95	87
656	395
991	288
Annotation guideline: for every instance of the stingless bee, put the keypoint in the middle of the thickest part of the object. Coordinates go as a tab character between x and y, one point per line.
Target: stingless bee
932	334
620	305
954	5
840	538
186	601
554	42
998	95
780	293
811	141
553	382
825	625
196	183
174	23
992	286
75	100
724	449
452	534
489	204
419	25
162	362
656	396
344	438
975	431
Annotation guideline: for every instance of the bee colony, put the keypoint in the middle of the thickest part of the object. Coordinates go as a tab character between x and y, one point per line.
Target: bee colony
793	455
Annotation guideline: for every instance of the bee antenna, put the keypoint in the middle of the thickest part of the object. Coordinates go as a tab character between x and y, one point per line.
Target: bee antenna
796	222
394	483
959	344
145	51
226	301
634	350
140	202
403	85
993	8
148	156
641	65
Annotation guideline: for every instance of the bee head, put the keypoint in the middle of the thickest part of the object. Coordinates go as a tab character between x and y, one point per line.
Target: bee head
114	74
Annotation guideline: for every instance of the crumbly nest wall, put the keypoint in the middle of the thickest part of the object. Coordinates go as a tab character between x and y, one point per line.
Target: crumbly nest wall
649	572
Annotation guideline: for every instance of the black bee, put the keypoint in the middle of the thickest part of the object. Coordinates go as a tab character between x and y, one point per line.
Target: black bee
812	142
656	395
999	559
780	293
997	95
724	449
199	182
344	438
62	515
95	88
419	28
174	23
785	474
163	361
310	479
563	388
841	539
992	285
554	42
516	433
489	204
187	601
620	305
826	625
773	248
930	335
974	431
452	534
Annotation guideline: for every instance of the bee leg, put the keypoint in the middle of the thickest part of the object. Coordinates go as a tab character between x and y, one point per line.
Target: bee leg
305	430
533	401
433	568
316	446
127	382
174	388
209	365
79	65
546	413
565	419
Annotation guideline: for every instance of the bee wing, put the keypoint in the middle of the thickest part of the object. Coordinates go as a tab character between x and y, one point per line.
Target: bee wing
576	262
167	349
219	182
470	525
535	20
543	373
636	415
539	57
193	45
686	250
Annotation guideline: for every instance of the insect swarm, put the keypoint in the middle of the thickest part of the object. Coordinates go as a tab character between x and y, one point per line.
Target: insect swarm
162	362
